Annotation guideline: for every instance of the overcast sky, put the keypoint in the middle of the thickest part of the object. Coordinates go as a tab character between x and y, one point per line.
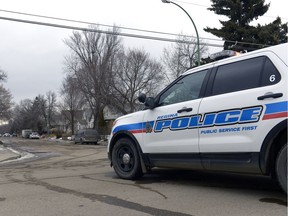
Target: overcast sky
33	55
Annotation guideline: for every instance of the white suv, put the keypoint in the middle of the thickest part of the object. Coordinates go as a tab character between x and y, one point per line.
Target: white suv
229	115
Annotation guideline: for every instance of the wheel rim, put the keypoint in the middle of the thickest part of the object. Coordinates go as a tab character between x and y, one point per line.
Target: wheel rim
125	158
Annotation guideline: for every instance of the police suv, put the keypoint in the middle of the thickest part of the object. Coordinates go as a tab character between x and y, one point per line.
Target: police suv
229	115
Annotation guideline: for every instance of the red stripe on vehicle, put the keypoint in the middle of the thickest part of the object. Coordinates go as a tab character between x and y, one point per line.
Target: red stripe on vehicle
137	131
276	115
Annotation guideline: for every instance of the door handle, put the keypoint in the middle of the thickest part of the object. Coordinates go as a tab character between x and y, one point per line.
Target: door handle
184	109
270	95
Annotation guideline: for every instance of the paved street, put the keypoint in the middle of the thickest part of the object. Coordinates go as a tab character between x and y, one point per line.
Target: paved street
61	178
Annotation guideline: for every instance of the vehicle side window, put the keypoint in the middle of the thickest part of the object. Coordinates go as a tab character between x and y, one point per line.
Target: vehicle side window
187	88
270	74
238	76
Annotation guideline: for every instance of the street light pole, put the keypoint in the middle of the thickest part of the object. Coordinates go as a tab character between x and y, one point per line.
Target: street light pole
198	43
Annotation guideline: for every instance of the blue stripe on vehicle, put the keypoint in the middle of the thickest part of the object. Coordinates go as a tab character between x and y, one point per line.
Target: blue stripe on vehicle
128	127
133	127
276	107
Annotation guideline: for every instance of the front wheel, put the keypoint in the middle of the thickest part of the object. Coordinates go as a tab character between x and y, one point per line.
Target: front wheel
125	159
281	167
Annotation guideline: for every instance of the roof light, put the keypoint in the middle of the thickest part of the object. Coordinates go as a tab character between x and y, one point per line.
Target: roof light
224	54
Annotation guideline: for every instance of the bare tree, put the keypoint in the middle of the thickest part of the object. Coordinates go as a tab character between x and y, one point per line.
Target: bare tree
136	72
5	99
37	114
182	56
5	103
28	115
91	63
47	105
51	100
72	101
22	115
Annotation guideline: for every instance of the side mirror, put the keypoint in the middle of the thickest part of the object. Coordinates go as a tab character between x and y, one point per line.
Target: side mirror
150	102
142	98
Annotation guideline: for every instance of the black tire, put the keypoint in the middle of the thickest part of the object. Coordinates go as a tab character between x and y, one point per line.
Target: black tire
281	167
125	159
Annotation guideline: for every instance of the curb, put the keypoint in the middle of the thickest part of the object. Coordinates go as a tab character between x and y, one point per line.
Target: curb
7	154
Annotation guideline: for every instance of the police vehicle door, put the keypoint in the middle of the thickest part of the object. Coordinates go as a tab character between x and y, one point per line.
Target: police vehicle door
171	119
233	115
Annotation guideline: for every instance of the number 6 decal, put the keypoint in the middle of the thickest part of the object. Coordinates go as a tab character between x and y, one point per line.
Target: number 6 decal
272	78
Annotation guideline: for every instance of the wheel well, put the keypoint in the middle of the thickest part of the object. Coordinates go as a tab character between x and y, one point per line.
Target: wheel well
119	135
125	134
276	147
273	143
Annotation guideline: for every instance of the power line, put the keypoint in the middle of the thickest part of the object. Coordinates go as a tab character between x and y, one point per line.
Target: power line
91	23
107	32
101	31
121	34
120	27
200	5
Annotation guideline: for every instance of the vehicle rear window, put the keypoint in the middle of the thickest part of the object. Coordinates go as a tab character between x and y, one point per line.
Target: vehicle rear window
270	74
91	132
246	74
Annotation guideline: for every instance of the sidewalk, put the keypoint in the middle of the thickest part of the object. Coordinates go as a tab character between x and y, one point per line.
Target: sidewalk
7	154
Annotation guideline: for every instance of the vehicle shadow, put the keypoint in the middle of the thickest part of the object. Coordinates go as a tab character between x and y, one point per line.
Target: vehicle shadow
227	181
210	179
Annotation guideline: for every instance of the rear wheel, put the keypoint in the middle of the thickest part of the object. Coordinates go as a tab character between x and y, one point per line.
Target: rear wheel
125	159
281	167
81	141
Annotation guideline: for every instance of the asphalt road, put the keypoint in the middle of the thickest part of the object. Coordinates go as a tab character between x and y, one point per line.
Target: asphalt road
67	179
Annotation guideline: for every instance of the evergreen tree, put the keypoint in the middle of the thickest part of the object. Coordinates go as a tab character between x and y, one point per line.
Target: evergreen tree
3	75
237	32
272	33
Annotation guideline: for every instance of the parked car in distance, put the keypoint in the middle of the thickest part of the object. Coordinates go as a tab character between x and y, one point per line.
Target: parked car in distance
6	135
34	135
26	133
14	135
72	138
86	136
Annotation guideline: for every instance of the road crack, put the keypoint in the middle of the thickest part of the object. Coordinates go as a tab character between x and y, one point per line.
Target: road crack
135	185
107	199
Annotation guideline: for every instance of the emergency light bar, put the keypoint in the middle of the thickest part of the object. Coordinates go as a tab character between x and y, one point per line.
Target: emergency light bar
224	54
